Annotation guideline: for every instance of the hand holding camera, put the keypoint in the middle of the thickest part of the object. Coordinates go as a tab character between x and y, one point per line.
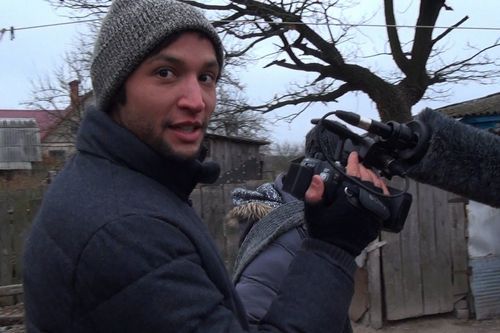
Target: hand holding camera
341	222
387	147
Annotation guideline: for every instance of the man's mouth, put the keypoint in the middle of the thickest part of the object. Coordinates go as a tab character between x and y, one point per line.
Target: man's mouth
187	132
188	128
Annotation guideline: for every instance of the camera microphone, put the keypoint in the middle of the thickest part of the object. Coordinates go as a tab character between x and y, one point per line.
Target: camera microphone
370	125
441	151
460	159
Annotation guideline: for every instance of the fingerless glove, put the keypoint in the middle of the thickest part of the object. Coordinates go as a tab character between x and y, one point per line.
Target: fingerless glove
341	223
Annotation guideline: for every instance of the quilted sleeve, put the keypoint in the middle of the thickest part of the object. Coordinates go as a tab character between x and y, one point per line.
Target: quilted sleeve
146	276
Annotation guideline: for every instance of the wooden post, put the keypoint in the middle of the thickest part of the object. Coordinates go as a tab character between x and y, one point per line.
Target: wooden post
375	288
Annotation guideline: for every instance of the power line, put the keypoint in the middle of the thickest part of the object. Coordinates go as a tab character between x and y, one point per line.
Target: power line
57	24
13	29
365	25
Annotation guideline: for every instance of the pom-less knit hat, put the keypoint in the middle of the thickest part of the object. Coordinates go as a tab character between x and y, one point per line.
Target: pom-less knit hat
321	140
130	31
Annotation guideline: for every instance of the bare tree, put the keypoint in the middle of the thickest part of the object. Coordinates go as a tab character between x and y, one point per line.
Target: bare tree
231	116
280	154
287	149
308	35
59	93
53	94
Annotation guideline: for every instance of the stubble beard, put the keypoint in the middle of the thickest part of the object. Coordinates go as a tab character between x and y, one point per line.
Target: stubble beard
165	149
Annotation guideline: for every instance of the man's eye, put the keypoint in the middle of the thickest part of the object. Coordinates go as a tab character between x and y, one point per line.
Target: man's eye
207	78
164	72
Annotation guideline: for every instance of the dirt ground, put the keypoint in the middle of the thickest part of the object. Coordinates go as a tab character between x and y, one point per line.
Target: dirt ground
11	318
435	324
430	324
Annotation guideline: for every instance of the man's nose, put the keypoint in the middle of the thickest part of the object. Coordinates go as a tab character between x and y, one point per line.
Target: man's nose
192	95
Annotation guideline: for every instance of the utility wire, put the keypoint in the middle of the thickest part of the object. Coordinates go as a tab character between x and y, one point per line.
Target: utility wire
56	24
364	25
13	29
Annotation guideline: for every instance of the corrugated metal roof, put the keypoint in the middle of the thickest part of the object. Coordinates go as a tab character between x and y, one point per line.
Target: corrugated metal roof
43	119
18	123
485	285
19	143
487	105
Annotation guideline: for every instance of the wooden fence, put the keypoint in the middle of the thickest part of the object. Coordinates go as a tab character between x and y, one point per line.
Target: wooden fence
212	203
17	209
421	271
424	269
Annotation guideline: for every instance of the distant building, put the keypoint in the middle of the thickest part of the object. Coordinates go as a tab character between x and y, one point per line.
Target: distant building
57	128
19	143
240	158
45	123
482	112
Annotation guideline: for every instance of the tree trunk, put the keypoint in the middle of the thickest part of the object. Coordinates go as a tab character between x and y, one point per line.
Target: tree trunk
392	104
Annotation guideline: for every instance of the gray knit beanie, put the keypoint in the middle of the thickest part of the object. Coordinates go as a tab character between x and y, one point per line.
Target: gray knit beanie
131	30
321	140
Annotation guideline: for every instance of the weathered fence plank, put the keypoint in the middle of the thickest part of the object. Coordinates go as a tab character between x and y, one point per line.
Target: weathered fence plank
212	209
424	268
436	267
410	248
11	290
231	231
6	240
212	202
375	289
20	203
458	217
17	210
393	278
443	232
401	267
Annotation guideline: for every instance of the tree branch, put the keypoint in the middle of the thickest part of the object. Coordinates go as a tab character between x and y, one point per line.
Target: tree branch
392	32
450	29
287	99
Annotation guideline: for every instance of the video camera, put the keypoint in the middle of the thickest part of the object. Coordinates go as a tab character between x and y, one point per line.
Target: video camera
387	147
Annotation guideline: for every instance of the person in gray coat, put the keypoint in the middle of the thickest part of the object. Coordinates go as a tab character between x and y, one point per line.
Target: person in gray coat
272	229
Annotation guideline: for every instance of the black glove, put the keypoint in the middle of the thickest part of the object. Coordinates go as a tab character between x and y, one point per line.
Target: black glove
341	223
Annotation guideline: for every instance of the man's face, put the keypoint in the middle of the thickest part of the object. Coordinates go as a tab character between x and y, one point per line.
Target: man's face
171	95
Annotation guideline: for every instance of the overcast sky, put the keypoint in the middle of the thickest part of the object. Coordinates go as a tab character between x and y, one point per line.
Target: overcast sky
36	52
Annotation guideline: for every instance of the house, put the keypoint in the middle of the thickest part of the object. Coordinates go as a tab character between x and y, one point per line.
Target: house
57	128
45	122
19	143
239	158
483	113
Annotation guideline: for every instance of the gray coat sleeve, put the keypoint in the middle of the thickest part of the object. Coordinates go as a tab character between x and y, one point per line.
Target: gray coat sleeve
260	281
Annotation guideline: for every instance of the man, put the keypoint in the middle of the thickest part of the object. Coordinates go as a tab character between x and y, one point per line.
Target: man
116	246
